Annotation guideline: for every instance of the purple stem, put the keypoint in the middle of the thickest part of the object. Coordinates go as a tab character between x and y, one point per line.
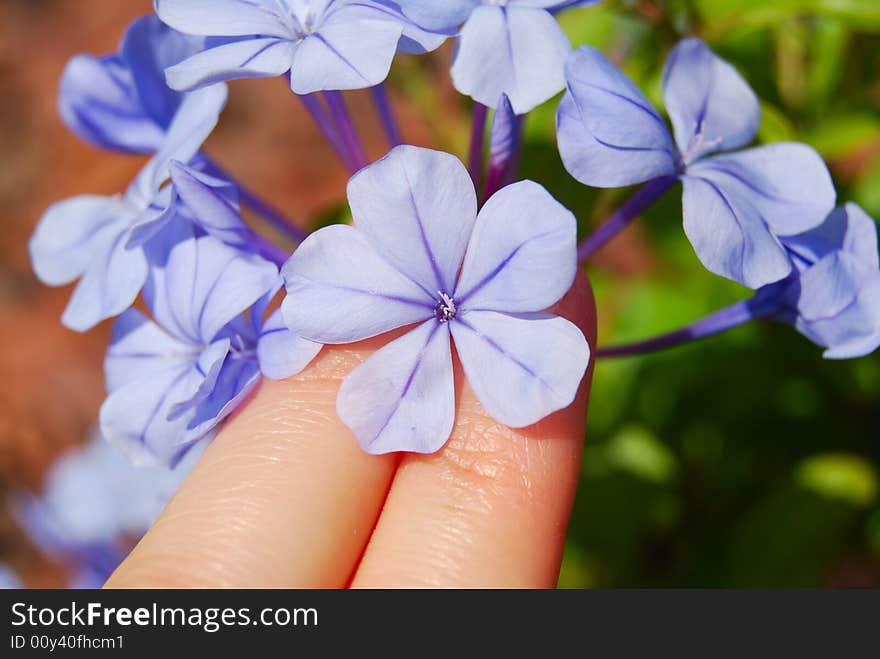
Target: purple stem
478	135
250	199
386	114
631	209
325	124
346	130
720	321
502	171
270	250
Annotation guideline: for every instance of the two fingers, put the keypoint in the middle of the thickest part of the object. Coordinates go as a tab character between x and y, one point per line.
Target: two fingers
285	497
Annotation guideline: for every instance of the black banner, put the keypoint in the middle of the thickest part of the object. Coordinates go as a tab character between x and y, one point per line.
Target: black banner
616	623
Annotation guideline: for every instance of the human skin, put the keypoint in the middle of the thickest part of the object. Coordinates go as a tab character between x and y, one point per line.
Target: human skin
285	497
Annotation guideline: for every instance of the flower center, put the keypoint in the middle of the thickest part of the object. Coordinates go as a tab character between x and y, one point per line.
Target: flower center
445	309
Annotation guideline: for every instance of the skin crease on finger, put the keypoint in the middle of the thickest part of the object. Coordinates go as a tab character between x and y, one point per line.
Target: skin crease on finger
285	497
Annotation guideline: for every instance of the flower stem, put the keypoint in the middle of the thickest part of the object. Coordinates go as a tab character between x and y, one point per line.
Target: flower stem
634	206
478	134
346	129
270	250
716	323
502	171
386	114
325	124
253	201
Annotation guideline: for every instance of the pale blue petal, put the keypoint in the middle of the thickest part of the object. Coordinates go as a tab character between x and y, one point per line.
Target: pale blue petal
71	233
140	349
438	15
339	290
248	58
98	101
209	366
282	353
350	50
415	39
504	138
149	47
8	579
522	255
521	368
135	416
516	51
839	306
729	235
609	135
204	285
194	121
235	382
848	228
417	207
402	398
787	183
213	204
110	285
226	18
712	108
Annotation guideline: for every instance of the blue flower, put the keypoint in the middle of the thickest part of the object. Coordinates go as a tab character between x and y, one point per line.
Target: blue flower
90	237
738	206
121	102
833	297
8	578
323	44
94	507
421	256
512	47
173	379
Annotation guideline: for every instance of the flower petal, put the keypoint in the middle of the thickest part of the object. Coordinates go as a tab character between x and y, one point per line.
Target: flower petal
787	183
523	367
98	102
417	207
712	108
139	349
282	353
435	15
729	235
516	51
204	285
148	48
839	306
339	290
349	51
522	255
209	365
248	58
848	228
402	398
225	18
70	234
110	285
609	135
416	39
236	381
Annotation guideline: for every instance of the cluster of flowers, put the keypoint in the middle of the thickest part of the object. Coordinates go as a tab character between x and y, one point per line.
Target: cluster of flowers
454	253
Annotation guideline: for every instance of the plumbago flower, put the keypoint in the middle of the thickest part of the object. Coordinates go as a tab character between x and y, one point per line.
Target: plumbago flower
512	47
94	506
121	102
738	206
421	256
323	44
833	297
90	236
173	379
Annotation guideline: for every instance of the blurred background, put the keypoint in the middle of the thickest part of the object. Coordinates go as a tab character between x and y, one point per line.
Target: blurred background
746	460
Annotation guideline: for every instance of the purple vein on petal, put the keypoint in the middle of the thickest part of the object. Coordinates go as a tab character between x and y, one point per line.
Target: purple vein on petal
494	345
461	299
408	384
